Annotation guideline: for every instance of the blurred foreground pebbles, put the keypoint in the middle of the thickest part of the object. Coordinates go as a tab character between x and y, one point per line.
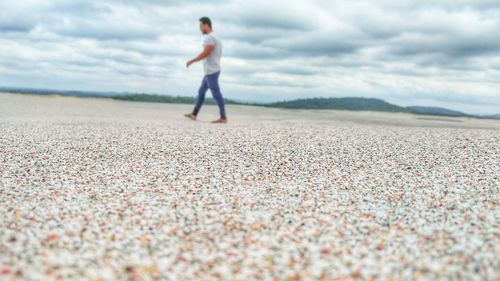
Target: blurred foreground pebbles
106	200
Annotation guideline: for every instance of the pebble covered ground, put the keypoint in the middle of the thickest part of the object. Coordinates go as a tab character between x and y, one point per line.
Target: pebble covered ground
91	198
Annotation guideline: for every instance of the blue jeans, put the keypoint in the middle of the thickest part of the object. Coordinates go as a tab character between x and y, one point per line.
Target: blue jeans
210	81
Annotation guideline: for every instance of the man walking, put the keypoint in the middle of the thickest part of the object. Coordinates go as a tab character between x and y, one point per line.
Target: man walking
212	51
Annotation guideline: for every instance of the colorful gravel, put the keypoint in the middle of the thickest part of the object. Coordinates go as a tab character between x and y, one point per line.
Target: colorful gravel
93	192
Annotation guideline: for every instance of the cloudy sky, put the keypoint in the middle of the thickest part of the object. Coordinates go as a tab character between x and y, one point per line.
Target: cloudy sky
440	53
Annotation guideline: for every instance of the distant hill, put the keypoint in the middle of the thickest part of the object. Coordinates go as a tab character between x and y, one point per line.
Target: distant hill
348	103
82	94
166	99
494	116
435	111
154	98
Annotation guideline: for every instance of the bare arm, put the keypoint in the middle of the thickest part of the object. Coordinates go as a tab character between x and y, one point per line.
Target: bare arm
207	50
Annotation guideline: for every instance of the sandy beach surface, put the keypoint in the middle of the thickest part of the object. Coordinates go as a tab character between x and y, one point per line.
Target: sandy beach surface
98	189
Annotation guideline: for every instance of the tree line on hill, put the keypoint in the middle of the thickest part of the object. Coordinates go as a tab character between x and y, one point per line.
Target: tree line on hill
345	103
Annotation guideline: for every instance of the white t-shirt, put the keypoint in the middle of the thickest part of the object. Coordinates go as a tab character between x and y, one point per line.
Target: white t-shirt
211	64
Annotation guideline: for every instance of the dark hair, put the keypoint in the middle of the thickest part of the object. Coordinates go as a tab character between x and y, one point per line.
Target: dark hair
206	20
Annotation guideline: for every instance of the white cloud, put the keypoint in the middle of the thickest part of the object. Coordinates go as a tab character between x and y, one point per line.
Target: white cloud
408	52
